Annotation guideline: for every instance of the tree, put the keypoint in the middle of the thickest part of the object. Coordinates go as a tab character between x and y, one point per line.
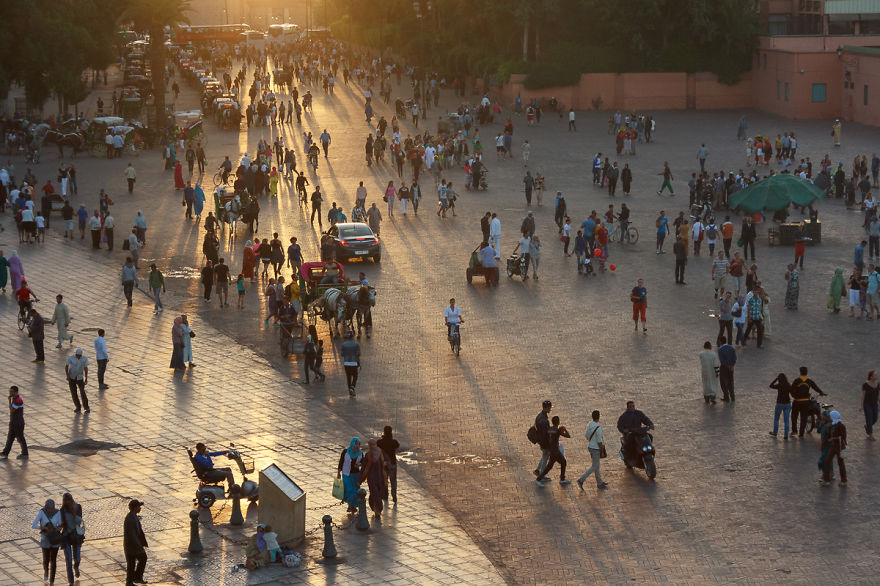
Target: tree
153	16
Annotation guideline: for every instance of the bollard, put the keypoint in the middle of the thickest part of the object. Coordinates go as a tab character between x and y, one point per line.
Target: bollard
363	524
195	544
236	518
329	546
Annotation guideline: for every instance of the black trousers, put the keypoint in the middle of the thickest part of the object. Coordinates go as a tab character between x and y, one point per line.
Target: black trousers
109	233
799	409
725	374
50	562
16	432
746	245
127	288
102	368
724	324
96	239
219	475
758	324
135	562
351	376
679	270
555	456
38	350
81	385
727	242
130	185
208	287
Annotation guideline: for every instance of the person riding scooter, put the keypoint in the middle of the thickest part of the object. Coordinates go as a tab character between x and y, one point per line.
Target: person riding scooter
211	474
631	420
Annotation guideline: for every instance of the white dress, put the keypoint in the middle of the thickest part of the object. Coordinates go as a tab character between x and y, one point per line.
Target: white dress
187	344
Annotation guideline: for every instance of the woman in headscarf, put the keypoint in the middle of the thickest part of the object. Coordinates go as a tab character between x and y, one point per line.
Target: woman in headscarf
4	273
49	517
188	335
793	288
257	552
836	290
273	182
140	224
248	260
271	302
73	532
16	271
199	202
177	334
375	473
178	176
350	468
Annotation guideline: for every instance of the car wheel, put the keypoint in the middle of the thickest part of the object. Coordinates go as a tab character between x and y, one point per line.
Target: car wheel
377	258
470	276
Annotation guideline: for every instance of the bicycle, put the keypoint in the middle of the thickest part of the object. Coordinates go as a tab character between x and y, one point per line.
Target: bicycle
23	314
455	338
632	234
218	178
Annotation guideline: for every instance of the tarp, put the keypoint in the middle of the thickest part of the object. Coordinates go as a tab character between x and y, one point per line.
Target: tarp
776	193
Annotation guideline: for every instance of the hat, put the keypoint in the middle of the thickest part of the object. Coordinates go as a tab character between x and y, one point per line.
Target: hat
261	526
835	417
79	351
133	503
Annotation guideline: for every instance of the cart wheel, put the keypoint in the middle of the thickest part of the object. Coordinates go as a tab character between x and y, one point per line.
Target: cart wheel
470	275
206	499
509	272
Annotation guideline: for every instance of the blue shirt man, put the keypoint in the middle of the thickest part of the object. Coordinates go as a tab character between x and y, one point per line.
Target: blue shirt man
208	472
859	255
727	355
487	256
588	227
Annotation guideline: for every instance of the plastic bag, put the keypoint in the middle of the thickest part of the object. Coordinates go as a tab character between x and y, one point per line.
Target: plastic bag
338	488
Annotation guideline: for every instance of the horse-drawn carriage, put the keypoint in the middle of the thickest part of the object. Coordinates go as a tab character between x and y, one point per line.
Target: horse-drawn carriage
325	293
231	206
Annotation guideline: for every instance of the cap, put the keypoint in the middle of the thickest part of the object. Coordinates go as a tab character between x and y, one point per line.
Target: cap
835	417
134	503
547	404
260	526
79	351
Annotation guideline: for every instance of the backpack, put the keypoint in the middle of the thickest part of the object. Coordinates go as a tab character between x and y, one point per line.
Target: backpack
532	434
711	232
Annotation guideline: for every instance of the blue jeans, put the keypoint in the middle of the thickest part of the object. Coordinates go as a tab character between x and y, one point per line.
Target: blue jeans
156	296
785	410
71	558
740	339
870	417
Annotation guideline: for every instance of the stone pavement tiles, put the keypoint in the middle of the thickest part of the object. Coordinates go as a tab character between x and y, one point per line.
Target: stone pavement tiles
730	503
147	417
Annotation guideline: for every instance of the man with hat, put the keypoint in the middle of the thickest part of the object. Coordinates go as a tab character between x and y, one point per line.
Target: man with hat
77	370
134	543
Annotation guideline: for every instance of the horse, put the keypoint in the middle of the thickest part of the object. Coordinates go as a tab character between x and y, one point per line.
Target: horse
73	140
332	308
363	312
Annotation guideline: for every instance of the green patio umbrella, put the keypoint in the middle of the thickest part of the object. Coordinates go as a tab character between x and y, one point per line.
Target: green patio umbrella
775	193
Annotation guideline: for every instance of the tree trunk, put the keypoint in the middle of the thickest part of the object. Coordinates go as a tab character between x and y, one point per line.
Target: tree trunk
157	64
525	53
537	42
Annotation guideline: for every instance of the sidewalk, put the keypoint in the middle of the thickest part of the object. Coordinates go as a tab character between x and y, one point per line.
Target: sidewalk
147	417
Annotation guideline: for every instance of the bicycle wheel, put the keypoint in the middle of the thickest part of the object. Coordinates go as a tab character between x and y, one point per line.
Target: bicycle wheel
633	235
218	179
22	322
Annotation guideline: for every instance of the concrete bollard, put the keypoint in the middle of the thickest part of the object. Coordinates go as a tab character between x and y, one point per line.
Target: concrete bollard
195	544
329	546
236	518
363	524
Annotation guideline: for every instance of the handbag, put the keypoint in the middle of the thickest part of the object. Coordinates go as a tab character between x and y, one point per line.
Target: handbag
602	452
53	535
338	488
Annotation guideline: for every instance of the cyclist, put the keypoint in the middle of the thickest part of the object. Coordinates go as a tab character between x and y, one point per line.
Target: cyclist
453	317
24	296
226	168
313	155
623	220
301	183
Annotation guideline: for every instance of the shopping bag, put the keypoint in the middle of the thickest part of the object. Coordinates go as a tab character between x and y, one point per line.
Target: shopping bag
338	488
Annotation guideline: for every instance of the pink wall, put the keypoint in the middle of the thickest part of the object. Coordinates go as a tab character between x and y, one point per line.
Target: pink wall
712	95
865	70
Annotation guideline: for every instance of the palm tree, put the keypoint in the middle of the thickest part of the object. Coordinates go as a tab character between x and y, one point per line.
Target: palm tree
153	16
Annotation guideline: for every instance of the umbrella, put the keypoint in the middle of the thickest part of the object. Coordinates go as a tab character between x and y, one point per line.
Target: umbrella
775	193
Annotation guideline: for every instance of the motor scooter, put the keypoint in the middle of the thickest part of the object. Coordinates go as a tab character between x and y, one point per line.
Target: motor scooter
517	264
640	452
209	491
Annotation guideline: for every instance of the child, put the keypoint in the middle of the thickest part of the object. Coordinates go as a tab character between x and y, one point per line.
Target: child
272	544
800	250
588	267
41	227
240	286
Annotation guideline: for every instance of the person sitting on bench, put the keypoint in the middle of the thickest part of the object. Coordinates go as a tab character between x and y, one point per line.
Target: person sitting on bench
209	473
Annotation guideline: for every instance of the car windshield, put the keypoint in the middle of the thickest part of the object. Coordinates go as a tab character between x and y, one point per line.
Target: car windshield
354	231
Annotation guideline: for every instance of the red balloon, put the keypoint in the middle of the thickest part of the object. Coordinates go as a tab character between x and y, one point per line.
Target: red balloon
613	267
597	252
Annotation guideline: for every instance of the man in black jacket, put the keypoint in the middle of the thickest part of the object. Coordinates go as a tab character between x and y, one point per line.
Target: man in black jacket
134	544
542	424
679	249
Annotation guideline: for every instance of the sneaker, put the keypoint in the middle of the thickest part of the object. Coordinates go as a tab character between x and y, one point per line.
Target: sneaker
71	340
3	455
155	311
539	483
565	481
25	457
58	345
602	485
773	433
87	410
580	484
546	479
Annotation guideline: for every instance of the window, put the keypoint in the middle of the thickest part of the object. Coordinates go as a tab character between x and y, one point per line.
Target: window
865	98
818	93
786	91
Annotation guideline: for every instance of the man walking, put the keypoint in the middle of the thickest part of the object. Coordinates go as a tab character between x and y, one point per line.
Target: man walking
101	358
702	153
351	360
800	394
131	177
679	249
495	235
16	425
755	307
555	432
529	182
109	224
134	543
667	180
36	331
95	228
222	278
77	370
316	199
639	298
542	426
596	444
129	278
325	141
157	286
189	196
710	365
61	319
836	446
662	224
571	124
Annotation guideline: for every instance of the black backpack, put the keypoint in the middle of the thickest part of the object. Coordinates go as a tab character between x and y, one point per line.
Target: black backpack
532	434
